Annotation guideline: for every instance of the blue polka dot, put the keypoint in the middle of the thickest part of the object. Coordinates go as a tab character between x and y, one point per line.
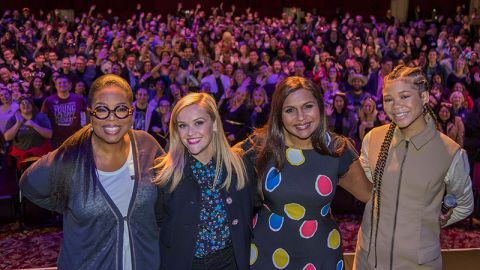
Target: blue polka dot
325	210
339	265
275	222
273	179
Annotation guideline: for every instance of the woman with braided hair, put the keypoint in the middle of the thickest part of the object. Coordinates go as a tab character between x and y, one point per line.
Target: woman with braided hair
412	165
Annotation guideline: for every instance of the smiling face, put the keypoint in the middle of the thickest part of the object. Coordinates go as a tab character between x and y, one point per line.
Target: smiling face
404	105
444	113
26	107
112	129
300	118
196	130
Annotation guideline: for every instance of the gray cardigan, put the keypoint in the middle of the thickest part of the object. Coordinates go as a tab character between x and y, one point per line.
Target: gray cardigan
92	236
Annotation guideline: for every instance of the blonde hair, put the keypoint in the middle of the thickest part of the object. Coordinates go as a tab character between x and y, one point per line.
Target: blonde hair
170	166
370	116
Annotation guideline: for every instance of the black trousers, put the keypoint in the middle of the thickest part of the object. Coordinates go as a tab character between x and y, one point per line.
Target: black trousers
220	260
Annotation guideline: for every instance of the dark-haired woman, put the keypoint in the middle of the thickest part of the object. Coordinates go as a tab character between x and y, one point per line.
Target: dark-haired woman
100	179
412	165
341	119
37	91
449	124
300	165
29	131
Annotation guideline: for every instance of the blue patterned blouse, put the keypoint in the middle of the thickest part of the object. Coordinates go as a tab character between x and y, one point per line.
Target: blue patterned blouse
213	233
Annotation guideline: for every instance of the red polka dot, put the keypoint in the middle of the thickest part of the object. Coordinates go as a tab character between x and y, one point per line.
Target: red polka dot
254	220
308	228
309	266
324	185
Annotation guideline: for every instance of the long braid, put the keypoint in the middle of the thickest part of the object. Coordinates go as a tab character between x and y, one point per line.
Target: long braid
377	184
428	110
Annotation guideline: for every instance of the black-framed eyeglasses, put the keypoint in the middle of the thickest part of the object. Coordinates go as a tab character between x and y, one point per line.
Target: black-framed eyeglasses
103	112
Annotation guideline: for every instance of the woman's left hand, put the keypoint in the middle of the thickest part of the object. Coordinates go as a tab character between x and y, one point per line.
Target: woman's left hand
30	123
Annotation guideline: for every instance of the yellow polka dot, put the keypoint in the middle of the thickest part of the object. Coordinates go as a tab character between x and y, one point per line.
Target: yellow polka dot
334	239
280	258
253	253
295	156
294	211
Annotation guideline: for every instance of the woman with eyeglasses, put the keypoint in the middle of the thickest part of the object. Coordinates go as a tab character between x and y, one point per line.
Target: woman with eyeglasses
100	179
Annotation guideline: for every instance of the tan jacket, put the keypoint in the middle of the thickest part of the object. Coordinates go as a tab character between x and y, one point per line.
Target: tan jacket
412	190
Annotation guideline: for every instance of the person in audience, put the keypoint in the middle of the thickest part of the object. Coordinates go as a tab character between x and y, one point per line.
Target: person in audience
261	108
368	117
450	124
28	131
412	166
37	91
164	113
219	82
8	108
206	200
341	119
457	99
100	179
65	110
145	117
235	115
356	94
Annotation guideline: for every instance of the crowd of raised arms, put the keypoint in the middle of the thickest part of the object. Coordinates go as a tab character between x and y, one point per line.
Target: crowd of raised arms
238	57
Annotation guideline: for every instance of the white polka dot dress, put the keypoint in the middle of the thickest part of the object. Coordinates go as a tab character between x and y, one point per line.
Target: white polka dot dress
294	230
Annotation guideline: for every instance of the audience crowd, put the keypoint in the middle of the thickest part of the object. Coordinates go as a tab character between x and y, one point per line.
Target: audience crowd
48	63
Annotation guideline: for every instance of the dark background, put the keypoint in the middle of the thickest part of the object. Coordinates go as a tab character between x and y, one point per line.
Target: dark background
124	8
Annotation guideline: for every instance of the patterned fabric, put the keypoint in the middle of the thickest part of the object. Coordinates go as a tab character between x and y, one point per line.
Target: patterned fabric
213	233
294	229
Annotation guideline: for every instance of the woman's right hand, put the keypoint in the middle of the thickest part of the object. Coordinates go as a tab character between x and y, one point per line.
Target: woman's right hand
19	118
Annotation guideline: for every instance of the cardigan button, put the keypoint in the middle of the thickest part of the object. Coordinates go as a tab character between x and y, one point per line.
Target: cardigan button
229	200
234	222
192	202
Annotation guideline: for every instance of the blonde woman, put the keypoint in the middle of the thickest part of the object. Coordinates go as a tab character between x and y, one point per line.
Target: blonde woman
367	117
206	192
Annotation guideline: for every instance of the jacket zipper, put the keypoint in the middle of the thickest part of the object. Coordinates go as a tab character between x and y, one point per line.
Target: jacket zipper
396	206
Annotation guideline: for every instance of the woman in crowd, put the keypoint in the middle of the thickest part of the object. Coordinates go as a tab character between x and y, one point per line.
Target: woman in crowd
206	200
29	131
457	99
460	87
261	108
37	91
80	89
7	108
436	95
459	74
412	165
368	117
100	179
341	119
450	124
236	116
164	113
300	164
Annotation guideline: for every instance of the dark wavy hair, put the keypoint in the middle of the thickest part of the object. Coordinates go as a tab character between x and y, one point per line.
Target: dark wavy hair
270	140
75	157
